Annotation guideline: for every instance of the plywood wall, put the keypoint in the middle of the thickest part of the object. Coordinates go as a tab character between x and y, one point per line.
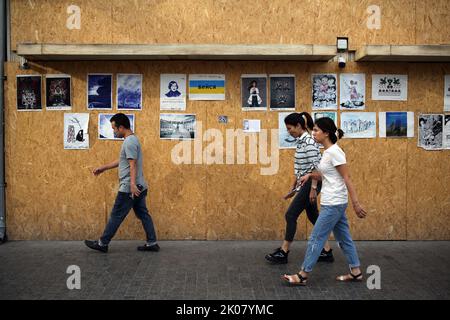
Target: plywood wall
51	193
231	21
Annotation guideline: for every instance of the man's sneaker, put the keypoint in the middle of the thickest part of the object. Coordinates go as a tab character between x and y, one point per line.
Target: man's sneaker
93	244
278	257
326	256
146	247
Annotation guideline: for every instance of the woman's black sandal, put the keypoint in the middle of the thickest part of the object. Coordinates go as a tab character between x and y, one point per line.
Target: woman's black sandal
352	279
302	281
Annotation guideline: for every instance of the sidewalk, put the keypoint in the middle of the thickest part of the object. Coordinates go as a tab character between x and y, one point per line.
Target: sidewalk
216	270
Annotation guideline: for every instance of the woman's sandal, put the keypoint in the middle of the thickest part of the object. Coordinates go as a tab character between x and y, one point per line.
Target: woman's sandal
302	282
352	278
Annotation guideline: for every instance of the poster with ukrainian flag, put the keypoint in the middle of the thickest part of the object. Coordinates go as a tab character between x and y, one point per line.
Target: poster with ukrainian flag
206	87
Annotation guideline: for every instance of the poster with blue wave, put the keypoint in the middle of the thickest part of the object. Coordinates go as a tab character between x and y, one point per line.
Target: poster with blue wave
129	92
99	91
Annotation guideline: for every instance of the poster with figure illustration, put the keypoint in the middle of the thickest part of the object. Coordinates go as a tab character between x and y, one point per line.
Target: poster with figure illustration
76	134
29	93
172	92
129	92
396	124
99	91
105	130
58	92
447	93
352	91
446	131
359	124
285	140
282	92
254	92
430	131
390	87
324	91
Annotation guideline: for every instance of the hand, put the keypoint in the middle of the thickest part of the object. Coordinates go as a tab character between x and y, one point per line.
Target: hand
360	212
98	171
290	194
313	195
135	191
304	179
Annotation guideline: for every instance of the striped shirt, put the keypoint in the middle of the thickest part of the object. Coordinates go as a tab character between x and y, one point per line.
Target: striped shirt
307	155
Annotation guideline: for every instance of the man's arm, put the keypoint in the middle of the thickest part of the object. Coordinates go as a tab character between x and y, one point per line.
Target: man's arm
133	170
108	166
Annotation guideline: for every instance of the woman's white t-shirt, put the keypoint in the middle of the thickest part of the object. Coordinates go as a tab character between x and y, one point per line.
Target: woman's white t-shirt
334	190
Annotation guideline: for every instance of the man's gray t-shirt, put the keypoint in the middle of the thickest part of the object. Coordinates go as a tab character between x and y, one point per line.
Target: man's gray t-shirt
131	149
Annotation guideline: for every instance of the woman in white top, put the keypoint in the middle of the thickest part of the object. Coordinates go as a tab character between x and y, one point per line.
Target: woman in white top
336	185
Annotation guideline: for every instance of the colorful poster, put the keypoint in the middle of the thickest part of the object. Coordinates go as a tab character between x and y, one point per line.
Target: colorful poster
58	92
352	91
282	92
324	91
447	93
207	87
99	91
251	125
324	114
390	87
359	124
285	140
173	126
430	131
172	94
29	93
396	124
105	130
254	92
129	92
76	134
446	138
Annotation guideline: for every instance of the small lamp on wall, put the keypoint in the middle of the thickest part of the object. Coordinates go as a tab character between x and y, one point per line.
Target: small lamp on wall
341	47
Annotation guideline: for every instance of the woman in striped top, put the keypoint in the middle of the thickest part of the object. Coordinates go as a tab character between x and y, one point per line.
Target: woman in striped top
307	157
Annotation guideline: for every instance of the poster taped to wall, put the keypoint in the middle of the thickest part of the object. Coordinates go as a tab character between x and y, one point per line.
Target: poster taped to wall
390	87
447	93
99	91
174	126
324	91
29	93
105	131
76	134
172	92
324	114
359	124
282	92
58	92
254	92
207	87
396	124
446	138
129	91
251	125
430	131
285	140
352	91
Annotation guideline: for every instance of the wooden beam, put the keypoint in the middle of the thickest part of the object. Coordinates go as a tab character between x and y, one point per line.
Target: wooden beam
403	53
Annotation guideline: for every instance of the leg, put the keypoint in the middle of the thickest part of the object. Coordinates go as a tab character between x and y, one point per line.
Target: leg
296	207
121	208
313	213
141	211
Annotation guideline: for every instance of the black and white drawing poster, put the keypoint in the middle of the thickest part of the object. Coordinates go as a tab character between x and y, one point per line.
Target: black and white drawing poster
76	134
172	92
324	91
430	131
390	87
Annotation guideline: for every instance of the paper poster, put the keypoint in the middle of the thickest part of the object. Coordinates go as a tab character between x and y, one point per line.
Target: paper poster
76	134
254	92
359	124
430	131
447	93
105	130
129	92
446	138
396	124
324	114
389	87
251	125
324	91
206	87
173	126
285	140
282	92
172	92
29	93
58	92
99	91
352	91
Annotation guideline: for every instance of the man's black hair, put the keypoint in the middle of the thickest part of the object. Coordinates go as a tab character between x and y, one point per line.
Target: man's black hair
121	120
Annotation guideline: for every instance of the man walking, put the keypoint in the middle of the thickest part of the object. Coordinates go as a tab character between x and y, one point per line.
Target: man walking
132	188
